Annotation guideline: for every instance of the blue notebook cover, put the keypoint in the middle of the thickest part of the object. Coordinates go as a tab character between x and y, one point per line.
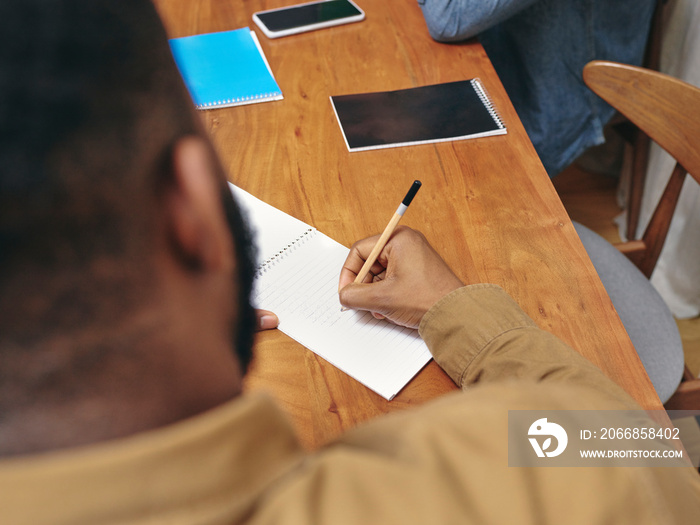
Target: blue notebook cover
224	69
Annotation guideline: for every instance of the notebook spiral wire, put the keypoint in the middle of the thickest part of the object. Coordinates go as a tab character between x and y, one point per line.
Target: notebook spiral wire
486	99
271	262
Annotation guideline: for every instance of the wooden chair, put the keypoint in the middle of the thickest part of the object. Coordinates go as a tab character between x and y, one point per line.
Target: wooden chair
668	111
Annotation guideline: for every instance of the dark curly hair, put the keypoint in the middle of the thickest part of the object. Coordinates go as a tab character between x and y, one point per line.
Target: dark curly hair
91	104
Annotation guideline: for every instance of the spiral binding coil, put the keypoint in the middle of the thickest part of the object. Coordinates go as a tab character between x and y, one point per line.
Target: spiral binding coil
240	100
292	246
486	99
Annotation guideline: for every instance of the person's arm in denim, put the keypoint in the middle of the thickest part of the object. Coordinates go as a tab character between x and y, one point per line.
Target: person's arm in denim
454	20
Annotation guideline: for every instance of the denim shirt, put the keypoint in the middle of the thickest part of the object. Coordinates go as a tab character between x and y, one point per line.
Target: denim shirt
539	48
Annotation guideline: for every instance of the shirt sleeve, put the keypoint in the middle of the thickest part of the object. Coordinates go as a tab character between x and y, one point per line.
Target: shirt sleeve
479	334
447	461
454	20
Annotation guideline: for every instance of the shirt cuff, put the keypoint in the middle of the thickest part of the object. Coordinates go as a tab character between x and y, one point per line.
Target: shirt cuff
459	326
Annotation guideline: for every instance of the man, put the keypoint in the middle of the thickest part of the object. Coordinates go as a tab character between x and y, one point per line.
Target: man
126	327
539	48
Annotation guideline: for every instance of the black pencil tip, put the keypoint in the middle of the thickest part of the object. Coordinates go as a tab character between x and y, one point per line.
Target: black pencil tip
411	192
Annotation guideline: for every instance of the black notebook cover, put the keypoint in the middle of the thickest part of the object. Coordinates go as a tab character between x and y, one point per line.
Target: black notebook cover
435	113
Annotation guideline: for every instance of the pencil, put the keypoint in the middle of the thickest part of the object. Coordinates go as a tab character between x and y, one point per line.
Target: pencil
388	231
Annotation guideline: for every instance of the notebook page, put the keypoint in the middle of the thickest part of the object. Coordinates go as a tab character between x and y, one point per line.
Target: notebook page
301	287
273	229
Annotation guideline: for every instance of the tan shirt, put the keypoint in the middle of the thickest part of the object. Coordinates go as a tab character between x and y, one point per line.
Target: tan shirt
445	462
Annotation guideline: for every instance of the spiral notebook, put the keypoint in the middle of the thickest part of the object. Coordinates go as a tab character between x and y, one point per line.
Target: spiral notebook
225	69
297	276
435	113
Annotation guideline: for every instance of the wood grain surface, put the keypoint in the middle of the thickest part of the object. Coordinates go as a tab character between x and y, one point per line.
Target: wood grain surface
486	204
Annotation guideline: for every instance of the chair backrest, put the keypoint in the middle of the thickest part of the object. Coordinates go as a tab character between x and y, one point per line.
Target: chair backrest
668	111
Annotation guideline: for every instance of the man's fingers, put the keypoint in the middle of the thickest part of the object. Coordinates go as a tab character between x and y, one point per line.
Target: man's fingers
266	320
362	296
356	259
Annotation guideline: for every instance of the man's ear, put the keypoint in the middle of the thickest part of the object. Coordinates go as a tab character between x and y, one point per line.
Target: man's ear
196	221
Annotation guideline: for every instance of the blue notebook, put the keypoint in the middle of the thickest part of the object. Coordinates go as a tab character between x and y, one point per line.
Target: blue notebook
225	69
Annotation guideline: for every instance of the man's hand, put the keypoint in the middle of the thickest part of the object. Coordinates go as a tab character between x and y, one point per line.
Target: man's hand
266	320
408	278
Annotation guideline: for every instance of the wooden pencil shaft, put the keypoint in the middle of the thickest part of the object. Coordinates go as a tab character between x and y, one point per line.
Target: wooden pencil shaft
378	247
384	237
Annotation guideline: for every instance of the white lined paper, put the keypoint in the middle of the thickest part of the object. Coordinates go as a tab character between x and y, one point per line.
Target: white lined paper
301	286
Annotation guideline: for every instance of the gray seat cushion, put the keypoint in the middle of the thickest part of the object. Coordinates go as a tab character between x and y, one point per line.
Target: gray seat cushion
643	312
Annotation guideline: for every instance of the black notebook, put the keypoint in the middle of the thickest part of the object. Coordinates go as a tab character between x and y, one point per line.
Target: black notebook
435	113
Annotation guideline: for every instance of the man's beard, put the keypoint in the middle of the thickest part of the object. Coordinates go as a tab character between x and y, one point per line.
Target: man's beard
243	326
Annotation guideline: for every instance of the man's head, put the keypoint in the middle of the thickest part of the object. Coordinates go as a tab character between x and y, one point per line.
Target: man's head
115	220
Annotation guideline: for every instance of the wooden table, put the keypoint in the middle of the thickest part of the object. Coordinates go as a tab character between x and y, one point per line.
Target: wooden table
486	205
